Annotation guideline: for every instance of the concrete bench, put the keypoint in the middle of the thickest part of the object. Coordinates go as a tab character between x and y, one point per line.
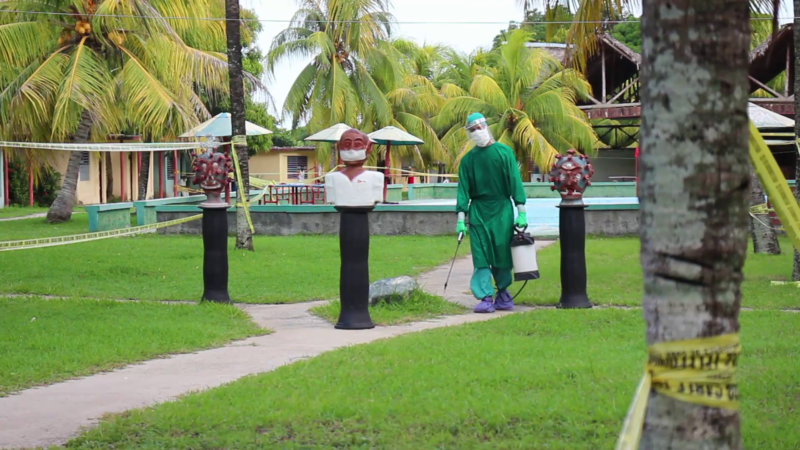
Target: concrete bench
146	209
111	216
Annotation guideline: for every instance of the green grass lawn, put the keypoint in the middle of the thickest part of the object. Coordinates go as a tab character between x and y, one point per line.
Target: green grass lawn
20	211
44	341
540	380
419	306
614	274
14	230
153	267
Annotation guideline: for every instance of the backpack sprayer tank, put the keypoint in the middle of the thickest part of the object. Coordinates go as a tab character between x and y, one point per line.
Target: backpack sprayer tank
523	255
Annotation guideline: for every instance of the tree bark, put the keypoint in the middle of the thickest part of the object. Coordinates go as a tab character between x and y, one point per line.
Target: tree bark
765	239
695	175
109	178
796	268
144	176
244	239
61	209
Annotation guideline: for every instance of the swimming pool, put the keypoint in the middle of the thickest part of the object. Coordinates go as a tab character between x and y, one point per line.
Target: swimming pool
542	212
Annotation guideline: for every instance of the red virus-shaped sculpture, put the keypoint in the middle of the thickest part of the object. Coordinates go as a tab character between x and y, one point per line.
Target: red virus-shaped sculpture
211	171
571	175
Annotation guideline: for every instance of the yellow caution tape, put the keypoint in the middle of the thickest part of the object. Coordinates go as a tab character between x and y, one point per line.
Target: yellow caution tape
79	238
699	371
244	202
775	185
239	140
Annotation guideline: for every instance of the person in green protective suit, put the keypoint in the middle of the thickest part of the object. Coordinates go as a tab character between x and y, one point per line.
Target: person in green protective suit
488	180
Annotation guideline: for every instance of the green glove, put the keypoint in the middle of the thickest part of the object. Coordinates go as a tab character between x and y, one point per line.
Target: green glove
522	220
462	227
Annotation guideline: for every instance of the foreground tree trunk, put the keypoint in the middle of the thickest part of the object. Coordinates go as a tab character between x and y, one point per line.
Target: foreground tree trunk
61	209
765	239
694	184
244	239
144	176
796	268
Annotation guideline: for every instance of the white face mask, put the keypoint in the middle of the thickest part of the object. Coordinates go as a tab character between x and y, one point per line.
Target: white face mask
353	155
481	137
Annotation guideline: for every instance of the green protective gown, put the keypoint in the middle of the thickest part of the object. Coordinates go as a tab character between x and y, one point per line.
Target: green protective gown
488	180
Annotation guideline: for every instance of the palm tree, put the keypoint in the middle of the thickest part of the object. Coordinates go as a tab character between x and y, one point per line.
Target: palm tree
347	40
413	101
244	237
94	67
528	99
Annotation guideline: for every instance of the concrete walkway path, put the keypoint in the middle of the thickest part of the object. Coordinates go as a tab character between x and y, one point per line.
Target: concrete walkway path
53	414
458	288
33	216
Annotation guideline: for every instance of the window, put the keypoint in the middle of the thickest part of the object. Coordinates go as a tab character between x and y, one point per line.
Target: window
86	168
170	167
294	164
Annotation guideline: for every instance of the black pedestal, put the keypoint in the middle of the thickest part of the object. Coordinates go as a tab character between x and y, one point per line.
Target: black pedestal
354	272
215	253
572	238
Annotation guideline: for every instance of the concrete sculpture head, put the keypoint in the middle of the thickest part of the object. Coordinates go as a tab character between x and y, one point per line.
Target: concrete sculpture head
354	186
571	175
354	148
211	173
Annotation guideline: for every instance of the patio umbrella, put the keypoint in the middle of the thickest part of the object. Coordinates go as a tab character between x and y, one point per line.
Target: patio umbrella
388	136
331	134
220	126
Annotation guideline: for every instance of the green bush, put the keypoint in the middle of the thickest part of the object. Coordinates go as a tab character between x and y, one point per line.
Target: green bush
45	188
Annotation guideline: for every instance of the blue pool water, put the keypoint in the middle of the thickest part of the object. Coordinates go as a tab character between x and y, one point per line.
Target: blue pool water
542	212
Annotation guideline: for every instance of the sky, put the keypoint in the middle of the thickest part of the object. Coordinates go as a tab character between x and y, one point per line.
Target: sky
491	18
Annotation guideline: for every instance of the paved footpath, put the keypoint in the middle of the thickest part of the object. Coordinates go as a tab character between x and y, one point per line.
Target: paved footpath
51	415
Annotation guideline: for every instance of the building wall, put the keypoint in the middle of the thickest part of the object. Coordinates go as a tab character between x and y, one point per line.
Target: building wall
613	163
274	166
93	190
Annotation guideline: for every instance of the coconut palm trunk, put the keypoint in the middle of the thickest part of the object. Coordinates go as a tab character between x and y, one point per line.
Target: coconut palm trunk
765	239
244	239
695	177
144	176
61	209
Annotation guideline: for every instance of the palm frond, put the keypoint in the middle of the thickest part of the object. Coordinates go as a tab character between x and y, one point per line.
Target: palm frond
86	86
23	42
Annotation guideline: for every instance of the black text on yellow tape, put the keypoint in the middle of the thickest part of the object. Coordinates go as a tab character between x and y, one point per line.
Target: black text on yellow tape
699	371
88	237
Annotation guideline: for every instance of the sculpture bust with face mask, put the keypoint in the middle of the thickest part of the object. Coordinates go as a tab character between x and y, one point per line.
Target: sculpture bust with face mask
354	186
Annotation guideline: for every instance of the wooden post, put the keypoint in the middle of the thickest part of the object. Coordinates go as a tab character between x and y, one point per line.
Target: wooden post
175	173
603	69
387	171
6	194
30	183
121	175
161	173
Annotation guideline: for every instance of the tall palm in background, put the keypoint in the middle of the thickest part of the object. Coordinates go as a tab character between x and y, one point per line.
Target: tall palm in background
244	237
95	68
348	41
528	99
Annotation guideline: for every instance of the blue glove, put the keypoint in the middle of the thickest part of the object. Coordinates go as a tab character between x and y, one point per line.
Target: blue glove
522	220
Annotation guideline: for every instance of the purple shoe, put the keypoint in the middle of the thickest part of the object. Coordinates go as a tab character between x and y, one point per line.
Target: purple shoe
485	306
504	301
